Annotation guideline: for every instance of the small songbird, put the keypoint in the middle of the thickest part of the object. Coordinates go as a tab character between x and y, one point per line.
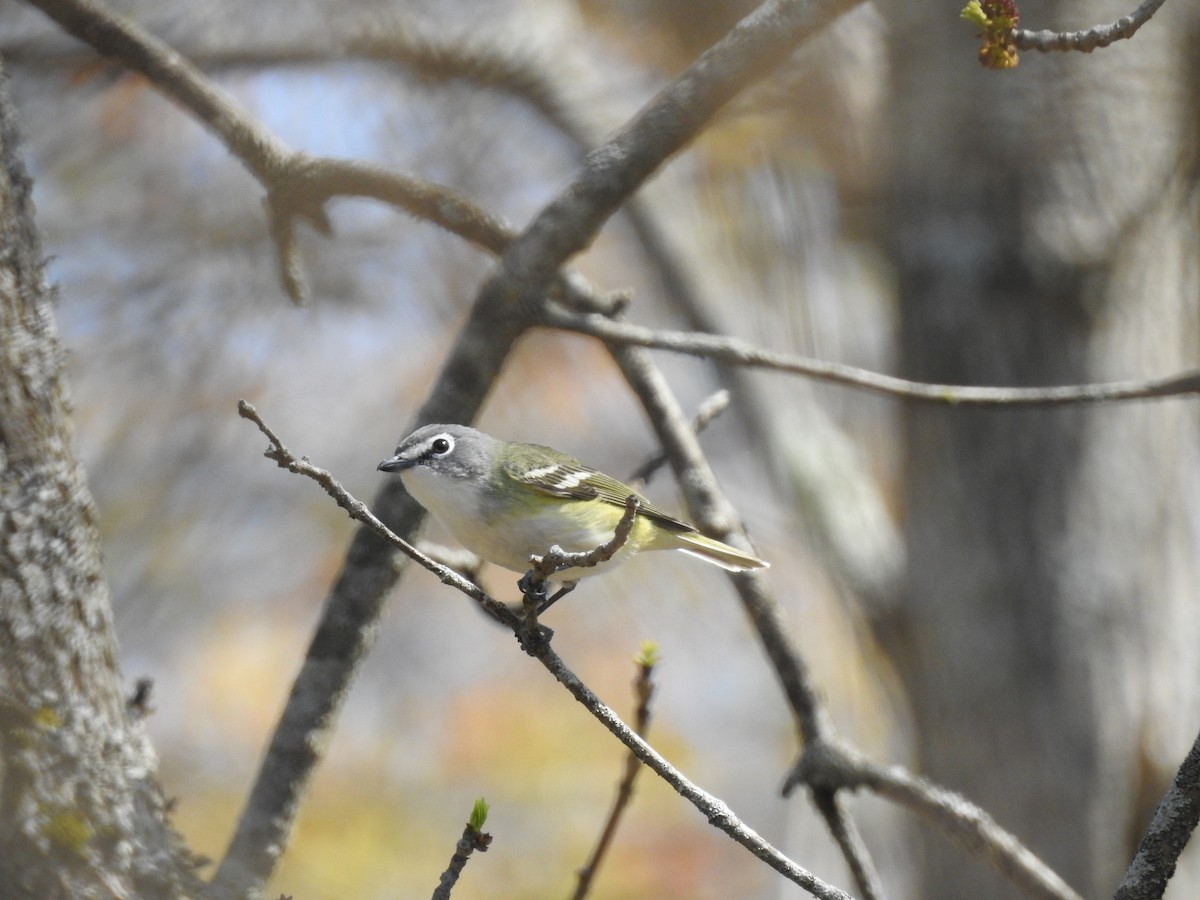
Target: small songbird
506	501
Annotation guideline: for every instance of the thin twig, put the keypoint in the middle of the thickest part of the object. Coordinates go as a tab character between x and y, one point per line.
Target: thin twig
743	353
706	413
1168	833
643	688
556	559
716	811
1091	39
359	511
473	838
850	841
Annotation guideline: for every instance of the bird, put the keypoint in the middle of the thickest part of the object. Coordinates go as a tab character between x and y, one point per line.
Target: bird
507	501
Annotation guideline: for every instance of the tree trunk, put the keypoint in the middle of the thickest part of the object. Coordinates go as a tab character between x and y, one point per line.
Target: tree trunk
80	812
1042	232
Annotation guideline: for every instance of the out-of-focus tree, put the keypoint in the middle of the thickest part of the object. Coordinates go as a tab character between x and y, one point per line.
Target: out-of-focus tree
1043	230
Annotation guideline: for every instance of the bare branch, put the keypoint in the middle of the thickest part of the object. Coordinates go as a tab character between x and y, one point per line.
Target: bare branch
965	822
643	688
714	514
1091	39
739	352
717	812
833	765
854	850
1169	831
259	150
356	509
711	510
706	413
297	184
557	559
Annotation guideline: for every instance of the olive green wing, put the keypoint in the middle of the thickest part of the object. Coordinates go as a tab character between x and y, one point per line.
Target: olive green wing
558	475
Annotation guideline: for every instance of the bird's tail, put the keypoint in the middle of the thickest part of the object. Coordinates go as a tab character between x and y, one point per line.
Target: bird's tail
713	551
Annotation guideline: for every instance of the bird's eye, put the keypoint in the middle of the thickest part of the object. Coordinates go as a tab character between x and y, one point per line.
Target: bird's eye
441	446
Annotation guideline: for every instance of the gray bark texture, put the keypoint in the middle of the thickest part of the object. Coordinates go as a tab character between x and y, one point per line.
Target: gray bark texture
1044	229
80	812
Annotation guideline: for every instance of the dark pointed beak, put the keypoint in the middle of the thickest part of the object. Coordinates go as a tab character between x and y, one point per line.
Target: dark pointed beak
396	464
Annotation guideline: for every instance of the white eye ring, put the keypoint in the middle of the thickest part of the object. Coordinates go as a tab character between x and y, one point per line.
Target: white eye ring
441	445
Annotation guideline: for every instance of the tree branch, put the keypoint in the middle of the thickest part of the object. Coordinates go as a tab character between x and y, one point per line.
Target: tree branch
743	353
643	687
708	410
1091	39
832	765
297	184
1174	821
850	842
717	812
358	510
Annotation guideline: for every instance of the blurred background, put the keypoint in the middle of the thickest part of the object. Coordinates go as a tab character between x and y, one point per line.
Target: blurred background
1006	601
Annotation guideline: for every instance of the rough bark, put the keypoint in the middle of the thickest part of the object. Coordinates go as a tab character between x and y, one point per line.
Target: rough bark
80	812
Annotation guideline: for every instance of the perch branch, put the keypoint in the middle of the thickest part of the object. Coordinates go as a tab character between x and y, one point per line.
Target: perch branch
556	559
717	812
359	511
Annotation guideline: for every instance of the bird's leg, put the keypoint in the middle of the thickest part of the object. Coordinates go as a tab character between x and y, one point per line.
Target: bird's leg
531	634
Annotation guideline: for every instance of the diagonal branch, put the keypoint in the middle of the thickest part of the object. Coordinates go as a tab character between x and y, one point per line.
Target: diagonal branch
358	510
1169	832
714	514
716	811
